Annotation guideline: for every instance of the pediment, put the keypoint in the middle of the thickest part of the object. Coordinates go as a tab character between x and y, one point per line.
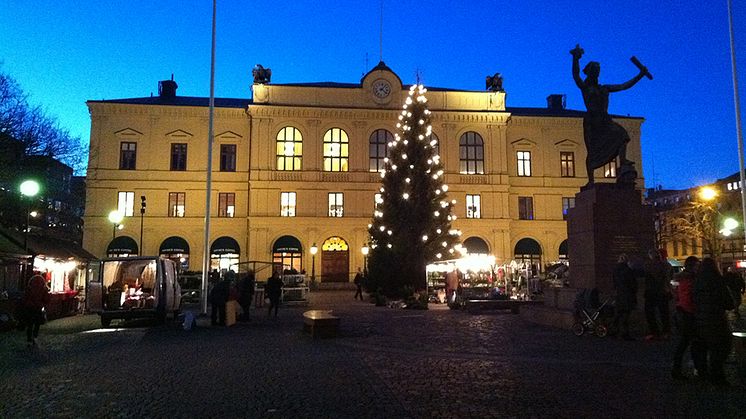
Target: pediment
566	144
180	134
228	135
128	133
523	143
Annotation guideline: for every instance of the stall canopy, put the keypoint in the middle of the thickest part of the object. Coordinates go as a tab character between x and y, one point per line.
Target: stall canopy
224	245
10	249
288	244
475	245
174	244
527	247
123	245
12	242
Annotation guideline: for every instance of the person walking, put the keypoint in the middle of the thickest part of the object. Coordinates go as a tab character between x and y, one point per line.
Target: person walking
35	300
711	301
625	284
273	292
359	284
736	286
658	273
246	294
685	319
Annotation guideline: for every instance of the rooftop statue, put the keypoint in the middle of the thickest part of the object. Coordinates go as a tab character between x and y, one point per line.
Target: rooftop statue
495	83
261	75
604	138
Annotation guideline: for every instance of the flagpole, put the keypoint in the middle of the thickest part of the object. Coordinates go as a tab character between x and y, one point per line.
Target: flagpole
208	192
738	120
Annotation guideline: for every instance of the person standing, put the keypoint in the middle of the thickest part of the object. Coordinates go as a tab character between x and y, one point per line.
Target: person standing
625	284
359	284
246	293
685	319
35	300
736	285
218	298
658	273
273	292
711	301
452	285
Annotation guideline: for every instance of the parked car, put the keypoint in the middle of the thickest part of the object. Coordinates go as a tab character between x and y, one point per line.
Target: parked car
133	287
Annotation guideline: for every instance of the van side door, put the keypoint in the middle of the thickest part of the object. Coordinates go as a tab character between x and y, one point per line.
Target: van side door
94	300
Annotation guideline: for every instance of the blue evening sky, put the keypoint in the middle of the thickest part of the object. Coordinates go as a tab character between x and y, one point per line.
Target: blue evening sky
66	52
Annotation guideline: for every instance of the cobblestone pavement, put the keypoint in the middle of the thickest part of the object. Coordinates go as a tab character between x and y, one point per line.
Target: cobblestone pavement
386	363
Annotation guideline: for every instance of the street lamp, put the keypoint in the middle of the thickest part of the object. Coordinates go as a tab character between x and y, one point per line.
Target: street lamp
29	189
142	216
314	250
707	193
365	250
115	217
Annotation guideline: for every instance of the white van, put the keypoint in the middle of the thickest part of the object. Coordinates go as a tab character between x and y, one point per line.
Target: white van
132	287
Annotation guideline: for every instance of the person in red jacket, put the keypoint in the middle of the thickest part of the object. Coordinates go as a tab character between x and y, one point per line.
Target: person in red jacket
685	319
35	299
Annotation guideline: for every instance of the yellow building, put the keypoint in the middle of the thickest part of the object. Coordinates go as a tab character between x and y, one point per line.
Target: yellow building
297	165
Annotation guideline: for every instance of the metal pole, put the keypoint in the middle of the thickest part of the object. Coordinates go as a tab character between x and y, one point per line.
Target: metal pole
738	119
208	192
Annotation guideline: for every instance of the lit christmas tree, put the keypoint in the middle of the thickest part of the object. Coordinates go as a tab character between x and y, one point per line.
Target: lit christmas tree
412	219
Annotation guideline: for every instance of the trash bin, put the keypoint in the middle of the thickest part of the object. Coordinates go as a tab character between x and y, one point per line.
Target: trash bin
739	341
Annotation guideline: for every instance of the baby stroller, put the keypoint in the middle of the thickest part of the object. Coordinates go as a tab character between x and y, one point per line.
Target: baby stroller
591	315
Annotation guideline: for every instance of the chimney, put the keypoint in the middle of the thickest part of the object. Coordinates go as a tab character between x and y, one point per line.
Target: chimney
167	88
556	101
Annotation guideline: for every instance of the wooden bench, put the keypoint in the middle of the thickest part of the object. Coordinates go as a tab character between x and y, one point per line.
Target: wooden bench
320	323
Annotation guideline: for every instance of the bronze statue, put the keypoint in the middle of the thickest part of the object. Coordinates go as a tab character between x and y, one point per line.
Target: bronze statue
604	138
261	75
495	83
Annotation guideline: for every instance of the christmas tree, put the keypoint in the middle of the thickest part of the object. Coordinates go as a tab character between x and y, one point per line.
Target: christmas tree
412	219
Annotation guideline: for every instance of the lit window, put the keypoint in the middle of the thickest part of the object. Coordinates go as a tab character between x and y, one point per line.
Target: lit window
610	169
567	164
471	153
226	205
126	203
378	149
524	163
336	204
128	156
525	208
473	206
176	202
178	157
567	203
287	204
336	150
227	157
289	149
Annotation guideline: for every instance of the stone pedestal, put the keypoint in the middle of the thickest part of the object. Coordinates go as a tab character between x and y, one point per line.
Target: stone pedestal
608	219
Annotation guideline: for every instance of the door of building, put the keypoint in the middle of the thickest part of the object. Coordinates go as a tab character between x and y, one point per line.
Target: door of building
335	260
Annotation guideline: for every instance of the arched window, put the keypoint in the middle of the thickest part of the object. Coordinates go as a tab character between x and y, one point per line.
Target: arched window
528	252
471	153
336	150
378	149
289	149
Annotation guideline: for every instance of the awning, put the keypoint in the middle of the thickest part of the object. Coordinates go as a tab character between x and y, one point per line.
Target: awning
225	245
476	245
287	244
527	247
173	245
122	244
11	250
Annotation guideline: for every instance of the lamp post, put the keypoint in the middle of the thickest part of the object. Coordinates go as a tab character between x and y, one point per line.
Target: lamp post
314	249
115	217
29	189
365	250
142	217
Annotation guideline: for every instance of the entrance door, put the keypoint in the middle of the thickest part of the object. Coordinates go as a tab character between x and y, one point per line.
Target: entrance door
335	261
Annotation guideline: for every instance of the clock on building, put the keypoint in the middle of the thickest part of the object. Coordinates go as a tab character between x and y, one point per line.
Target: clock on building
381	88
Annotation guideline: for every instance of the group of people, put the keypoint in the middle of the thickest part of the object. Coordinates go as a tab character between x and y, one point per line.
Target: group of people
702	299
240	288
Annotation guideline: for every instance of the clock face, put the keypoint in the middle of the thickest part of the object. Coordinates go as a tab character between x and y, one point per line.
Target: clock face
381	89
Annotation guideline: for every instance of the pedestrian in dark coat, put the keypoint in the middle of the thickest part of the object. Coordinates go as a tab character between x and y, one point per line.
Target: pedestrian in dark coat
658	274
35	300
218	297
736	285
359	284
685	319
711	301
246	293
625	284
273	291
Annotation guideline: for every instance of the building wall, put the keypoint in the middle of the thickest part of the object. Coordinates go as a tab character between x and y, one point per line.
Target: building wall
313	110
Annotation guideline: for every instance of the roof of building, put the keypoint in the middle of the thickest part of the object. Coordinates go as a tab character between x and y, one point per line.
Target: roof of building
180	101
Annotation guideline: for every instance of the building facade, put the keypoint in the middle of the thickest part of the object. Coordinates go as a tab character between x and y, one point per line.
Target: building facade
297	165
